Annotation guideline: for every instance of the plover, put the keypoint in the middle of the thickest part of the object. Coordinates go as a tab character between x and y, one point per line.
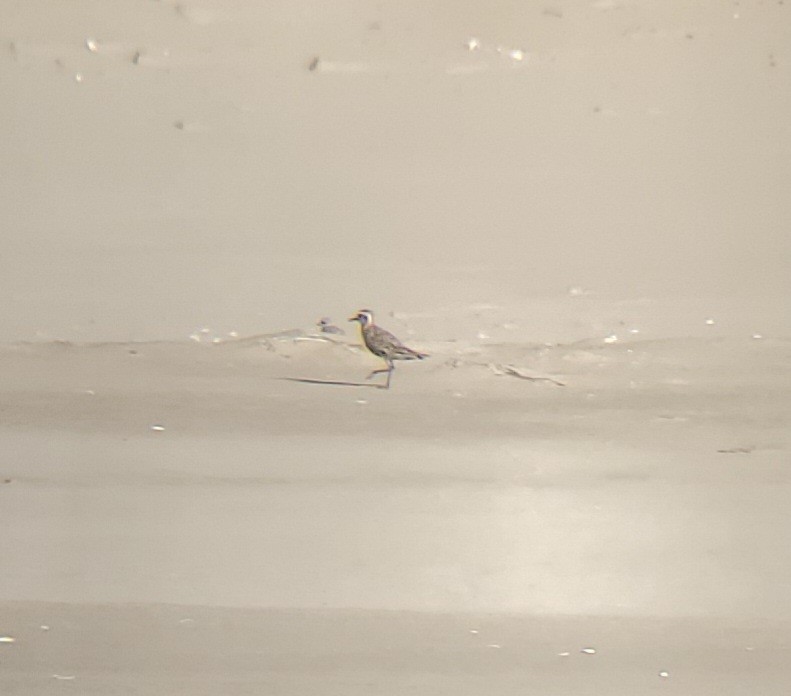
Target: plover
326	326
383	344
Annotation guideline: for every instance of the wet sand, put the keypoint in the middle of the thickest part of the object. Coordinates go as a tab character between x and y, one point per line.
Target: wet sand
101	649
328	535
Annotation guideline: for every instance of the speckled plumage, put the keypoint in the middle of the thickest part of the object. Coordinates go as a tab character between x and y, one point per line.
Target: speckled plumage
383	344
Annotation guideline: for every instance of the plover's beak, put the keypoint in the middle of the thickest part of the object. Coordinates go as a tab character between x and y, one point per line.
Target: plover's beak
355	318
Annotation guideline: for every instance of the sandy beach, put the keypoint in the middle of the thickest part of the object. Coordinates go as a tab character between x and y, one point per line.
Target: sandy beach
223	526
577	209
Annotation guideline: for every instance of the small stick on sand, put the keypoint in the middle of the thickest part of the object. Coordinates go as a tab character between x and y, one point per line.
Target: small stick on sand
515	372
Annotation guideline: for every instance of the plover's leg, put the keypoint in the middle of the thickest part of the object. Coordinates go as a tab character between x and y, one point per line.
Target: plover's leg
378	372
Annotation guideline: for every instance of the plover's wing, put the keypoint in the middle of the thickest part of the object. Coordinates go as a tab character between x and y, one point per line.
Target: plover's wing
396	349
403	352
384	338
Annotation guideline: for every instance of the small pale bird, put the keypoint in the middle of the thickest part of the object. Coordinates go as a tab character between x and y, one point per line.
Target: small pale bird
383	344
326	326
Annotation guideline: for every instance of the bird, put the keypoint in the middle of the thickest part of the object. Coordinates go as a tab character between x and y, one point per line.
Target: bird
383	344
326	326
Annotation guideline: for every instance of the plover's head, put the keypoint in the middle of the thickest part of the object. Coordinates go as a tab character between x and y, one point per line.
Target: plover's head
364	316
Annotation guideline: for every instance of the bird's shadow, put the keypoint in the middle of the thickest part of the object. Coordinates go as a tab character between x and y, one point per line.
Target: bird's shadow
332	382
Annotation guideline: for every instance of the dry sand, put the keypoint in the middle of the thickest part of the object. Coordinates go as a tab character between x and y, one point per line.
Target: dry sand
199	494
